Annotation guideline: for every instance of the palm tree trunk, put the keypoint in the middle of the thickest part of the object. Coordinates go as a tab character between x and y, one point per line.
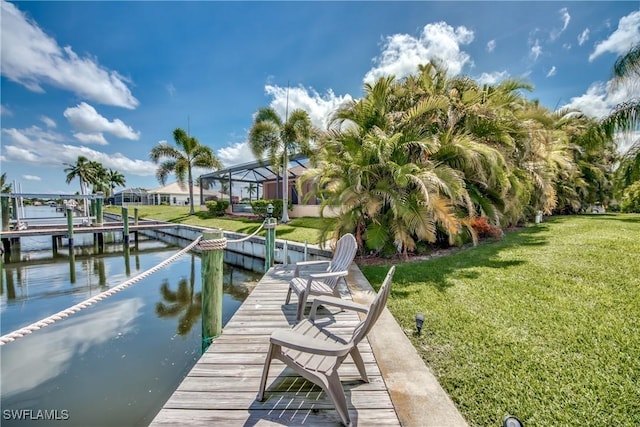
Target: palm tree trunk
285	189
191	210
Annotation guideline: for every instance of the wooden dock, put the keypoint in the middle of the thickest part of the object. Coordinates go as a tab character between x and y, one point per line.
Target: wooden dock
61	230
222	386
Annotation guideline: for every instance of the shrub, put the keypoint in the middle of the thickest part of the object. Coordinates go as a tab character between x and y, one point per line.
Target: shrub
260	207
631	198
484	229
217	207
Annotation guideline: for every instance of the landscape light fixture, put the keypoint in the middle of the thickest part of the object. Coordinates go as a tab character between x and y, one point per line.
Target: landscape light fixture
269	210
511	421
419	322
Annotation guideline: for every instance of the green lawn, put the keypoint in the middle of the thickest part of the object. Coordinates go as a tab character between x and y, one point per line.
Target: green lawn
297	230
544	324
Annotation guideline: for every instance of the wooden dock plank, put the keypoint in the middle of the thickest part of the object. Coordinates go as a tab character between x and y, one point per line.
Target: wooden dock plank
222	386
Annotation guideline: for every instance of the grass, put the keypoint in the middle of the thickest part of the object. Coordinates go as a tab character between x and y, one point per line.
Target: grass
297	230
544	325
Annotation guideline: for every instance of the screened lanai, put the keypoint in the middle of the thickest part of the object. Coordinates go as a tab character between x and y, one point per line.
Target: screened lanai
266	178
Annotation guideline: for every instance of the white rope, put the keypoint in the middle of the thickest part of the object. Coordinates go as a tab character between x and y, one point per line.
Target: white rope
249	236
76	308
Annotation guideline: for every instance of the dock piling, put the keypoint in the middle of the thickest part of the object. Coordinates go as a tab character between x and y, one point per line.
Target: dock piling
125	226
70	229
270	243
212	293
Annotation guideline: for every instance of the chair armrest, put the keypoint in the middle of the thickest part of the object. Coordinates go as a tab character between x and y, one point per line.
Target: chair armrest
307	264
336	302
328	275
295	341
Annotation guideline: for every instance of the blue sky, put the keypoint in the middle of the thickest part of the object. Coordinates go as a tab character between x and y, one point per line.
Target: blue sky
109	80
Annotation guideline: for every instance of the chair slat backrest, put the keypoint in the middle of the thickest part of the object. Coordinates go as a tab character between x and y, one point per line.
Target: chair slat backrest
344	254
376	308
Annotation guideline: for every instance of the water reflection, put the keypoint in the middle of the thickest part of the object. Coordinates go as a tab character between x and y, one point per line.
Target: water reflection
183	302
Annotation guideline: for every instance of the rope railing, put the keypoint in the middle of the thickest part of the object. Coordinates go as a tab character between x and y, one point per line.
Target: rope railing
249	236
22	332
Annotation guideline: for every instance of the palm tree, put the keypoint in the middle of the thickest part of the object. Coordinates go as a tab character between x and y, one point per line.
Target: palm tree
115	179
5	187
625	116
276	139
252	189
181	160
85	171
183	301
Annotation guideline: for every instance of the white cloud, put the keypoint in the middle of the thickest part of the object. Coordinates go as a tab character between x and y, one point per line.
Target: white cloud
622	39
32	58
4	111
91	138
491	45
48	121
43	148
564	12
171	89
403	53
564	15
85	118
552	72
31	178
492	78
72	338
600	99
235	154
319	107
536	50
583	37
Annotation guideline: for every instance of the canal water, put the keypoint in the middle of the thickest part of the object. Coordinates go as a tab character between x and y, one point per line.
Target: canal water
116	362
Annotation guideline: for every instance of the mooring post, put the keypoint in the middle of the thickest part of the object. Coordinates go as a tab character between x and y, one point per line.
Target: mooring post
212	245
305	250
125	226
4	205
270	243
72	265
70	229
99	211
135	222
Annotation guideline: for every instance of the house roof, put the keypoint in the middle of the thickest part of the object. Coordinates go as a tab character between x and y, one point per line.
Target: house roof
175	188
257	171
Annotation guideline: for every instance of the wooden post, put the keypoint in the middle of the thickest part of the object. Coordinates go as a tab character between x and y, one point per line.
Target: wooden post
70	229
72	265
125	226
54	245
99	211
135	222
212	294
269	243
4	206
127	260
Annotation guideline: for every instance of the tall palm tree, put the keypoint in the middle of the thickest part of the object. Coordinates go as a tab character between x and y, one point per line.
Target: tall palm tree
115	179
5	187
275	139
252	189
181	160
85	171
626	117
184	300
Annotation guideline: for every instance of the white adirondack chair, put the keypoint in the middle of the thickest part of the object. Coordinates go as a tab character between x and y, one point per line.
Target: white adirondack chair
323	283
316	354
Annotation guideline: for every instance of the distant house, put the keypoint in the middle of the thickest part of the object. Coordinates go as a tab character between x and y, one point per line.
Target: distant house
176	195
269	184
130	196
